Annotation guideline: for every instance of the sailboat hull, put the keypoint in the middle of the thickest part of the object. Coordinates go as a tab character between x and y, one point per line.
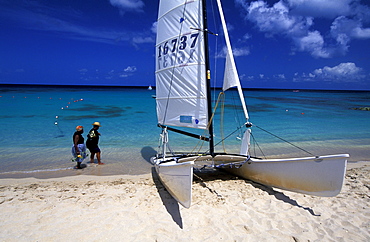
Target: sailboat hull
322	176
177	178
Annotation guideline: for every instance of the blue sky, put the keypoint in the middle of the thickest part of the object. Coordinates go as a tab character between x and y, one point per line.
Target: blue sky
298	44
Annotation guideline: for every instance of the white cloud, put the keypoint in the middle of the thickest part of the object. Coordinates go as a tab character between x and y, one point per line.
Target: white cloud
277	20
343	30
361	33
236	51
344	72
294	20
154	27
279	76
349	27
142	40
313	42
348	70
230	27
83	71
246	37
130	69
272	20
128	5
241	51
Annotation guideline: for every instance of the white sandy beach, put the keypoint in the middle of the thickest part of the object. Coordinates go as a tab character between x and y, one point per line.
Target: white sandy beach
138	208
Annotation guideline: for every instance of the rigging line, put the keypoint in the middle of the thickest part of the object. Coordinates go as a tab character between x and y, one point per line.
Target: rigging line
216	51
223	96
254	145
236	113
170	149
215	108
160	143
285	141
214	111
215	72
203	184
200	144
238	117
237	129
211	119
222	122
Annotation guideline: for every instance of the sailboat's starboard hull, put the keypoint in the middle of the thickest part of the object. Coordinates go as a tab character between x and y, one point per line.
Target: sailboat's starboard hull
322	176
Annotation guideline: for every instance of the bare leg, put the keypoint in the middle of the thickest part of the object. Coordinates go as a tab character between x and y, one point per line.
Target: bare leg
92	157
98	157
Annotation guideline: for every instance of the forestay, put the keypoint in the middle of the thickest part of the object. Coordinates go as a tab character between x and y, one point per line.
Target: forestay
180	65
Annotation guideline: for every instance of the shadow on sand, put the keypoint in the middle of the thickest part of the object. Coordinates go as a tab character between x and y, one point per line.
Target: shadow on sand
203	177
281	196
168	201
147	153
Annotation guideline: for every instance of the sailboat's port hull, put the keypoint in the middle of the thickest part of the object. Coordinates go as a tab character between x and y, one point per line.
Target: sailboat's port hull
177	178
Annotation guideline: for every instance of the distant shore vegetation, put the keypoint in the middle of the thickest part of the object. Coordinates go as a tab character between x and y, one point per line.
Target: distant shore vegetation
362	108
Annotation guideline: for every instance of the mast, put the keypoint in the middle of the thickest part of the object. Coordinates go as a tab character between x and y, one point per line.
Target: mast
208	79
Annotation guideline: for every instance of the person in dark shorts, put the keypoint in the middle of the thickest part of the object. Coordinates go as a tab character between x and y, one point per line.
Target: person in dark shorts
92	143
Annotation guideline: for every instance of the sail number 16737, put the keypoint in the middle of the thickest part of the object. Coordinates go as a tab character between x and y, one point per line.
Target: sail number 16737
177	51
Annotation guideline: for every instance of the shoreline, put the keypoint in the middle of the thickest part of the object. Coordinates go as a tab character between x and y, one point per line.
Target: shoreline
119	167
75	174
126	207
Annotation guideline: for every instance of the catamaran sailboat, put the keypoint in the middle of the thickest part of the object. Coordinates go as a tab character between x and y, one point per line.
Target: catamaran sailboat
183	98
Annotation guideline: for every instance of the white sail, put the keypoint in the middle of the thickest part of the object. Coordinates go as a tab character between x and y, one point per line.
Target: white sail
231	77
180	65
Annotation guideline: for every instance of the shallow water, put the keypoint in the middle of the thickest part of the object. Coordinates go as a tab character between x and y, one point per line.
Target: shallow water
37	124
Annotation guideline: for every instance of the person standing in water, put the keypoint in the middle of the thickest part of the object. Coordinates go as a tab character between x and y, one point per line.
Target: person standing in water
78	148
92	143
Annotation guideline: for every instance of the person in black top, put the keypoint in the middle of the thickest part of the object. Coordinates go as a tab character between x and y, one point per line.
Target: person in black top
78	148
92	143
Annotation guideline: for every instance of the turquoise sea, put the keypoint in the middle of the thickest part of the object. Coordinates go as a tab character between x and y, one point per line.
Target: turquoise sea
37	123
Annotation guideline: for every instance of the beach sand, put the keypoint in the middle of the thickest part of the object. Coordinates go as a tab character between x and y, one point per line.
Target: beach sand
138	208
